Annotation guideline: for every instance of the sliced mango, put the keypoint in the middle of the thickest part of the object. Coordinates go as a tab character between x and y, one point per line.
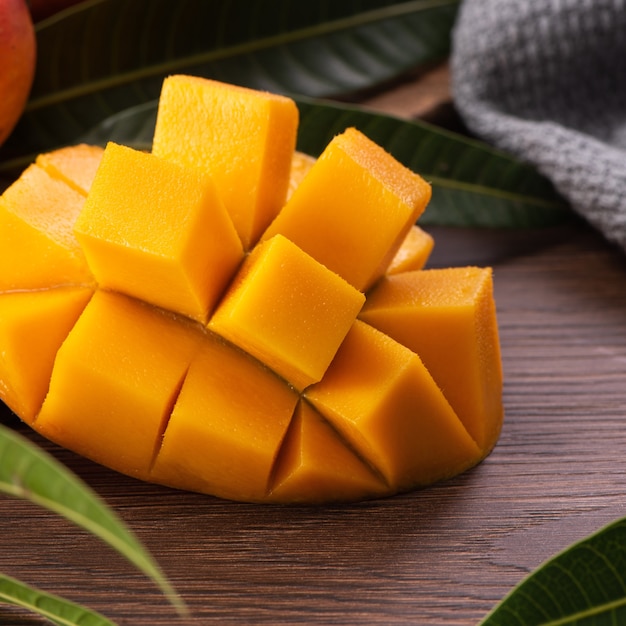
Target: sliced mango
413	253
243	137
380	397
448	317
227	425
230	316
317	465
288	310
158	231
353	209
33	325
115	380
39	249
74	165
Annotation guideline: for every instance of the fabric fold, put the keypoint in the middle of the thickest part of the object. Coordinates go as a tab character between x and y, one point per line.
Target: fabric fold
546	82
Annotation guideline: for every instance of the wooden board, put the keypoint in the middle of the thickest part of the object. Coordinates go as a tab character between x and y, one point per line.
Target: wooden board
438	557
442	556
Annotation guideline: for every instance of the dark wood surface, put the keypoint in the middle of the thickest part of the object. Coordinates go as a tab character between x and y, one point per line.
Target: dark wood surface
441	556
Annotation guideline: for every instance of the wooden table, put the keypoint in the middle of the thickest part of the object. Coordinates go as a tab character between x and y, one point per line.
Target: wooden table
441	556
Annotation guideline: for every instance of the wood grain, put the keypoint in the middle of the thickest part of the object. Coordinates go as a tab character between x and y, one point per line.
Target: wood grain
442	556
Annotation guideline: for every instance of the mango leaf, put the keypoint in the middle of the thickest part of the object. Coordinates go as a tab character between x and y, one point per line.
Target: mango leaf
55	609
473	184
585	585
104	56
30	473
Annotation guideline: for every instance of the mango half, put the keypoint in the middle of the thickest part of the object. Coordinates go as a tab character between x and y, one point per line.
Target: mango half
227	315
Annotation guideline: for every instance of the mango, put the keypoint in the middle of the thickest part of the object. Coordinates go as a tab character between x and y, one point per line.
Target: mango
75	165
288	310
164	221
381	397
39	248
243	137
353	172
281	342
447	316
33	326
18	51
227	425
115	379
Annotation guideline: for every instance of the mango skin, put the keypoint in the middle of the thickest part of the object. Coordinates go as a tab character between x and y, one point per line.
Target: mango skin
18	48
171	397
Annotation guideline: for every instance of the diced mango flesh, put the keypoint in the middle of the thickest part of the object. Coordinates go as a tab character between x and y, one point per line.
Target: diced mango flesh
115	380
74	165
353	208
447	317
317	465
381	397
227	425
243	137
288	310
158	231
39	249
413	253
34	325
290	372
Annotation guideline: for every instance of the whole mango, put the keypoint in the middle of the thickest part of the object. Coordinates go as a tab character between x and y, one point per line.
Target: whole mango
17	62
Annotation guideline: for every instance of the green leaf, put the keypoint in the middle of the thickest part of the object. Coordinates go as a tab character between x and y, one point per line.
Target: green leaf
105	56
57	610
30	473
584	585
473	184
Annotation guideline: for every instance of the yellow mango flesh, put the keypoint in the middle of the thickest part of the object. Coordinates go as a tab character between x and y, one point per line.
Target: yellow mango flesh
243	137
448	317
74	165
287	310
416	247
227	425
39	249
115	379
413	253
317	465
33	326
159	232
280	387
353	209
381	397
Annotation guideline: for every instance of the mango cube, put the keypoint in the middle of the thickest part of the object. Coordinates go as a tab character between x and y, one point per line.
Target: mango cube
227	425
39	249
245	138
287	310
413	253
314	460
380	397
158	231
448	317
115	380
33	326
74	165
353	209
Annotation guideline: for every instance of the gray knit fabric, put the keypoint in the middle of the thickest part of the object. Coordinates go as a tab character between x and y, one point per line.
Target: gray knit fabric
546	81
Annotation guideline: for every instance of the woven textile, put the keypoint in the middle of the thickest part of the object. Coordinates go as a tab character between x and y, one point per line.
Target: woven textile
546	81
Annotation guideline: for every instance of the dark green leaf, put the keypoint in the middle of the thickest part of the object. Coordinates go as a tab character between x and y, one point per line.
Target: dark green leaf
58	610
473	185
30	473
108	55
583	586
